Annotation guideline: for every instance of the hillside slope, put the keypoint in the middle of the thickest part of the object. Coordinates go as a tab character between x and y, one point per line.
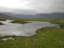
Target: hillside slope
5	16
39	16
50	16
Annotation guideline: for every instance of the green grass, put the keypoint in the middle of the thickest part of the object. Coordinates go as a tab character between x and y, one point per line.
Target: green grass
19	21
36	19
47	37
2	19
27	19
58	21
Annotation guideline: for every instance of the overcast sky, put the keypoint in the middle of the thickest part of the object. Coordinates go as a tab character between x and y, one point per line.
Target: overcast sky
31	6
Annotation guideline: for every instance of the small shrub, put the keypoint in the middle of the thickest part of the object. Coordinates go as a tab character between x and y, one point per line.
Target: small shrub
61	25
1	23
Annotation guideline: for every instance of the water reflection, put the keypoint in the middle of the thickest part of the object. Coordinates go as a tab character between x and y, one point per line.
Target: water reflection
23	30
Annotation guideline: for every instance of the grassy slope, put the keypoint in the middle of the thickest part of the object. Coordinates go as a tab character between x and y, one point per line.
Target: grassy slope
4	16
48	37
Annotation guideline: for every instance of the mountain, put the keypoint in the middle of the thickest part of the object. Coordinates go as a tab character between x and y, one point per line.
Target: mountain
50	16
5	16
39	16
20	15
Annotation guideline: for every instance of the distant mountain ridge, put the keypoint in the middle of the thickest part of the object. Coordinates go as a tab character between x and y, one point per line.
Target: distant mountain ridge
20	15
39	16
50	16
5	16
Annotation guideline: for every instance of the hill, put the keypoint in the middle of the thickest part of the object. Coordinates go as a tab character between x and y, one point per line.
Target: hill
50	16
20	15
39	16
5	16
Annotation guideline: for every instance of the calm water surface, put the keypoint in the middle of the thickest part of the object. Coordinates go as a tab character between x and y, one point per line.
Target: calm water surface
23	30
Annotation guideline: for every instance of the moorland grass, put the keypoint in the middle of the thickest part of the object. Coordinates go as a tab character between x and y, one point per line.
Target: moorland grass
54	21
47	37
58	21
19	21
2	19
28	19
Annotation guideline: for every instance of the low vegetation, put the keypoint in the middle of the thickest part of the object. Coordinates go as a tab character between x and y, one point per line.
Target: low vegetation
1	23
54	21
27	19
19	21
47	37
2	19
58	21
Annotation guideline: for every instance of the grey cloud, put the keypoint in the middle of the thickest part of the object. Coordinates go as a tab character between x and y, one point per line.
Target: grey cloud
58	6
24	11
3	9
49	6
41	6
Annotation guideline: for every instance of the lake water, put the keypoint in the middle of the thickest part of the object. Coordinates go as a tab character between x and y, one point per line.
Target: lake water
28	29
